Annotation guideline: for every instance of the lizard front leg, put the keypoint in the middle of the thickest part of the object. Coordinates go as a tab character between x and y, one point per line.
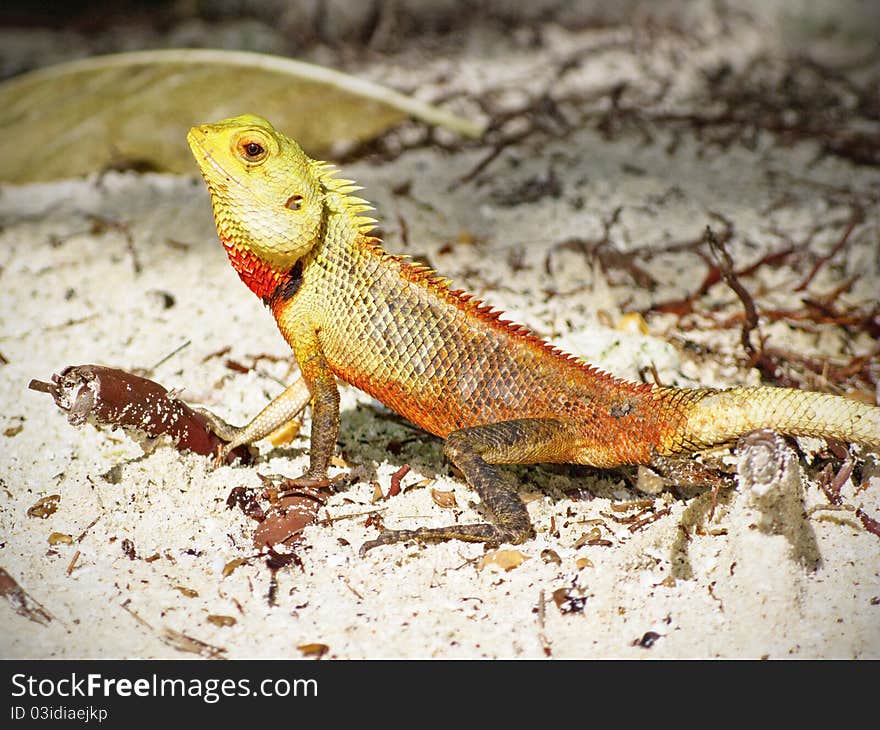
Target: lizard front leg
474	451
279	411
325	413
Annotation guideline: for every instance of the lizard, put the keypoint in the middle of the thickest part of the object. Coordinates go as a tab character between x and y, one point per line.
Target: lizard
300	239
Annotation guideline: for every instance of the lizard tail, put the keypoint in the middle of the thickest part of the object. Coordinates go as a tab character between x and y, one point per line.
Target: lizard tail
721	416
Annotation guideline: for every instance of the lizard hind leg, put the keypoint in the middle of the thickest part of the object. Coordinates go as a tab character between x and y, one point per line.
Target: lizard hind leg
475	451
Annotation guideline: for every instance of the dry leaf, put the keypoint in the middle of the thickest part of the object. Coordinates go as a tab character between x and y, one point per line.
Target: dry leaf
220	620
44	506
377	493
60	538
134	109
286	519
582	563
129	549
551	556
421	484
634	323
587	537
315	650
566	603
504	559
188	592
394	489
232	565
285	433
648	640
443	499
143	408
246	500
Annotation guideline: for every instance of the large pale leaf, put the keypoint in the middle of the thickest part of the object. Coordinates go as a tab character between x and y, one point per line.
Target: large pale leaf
83	116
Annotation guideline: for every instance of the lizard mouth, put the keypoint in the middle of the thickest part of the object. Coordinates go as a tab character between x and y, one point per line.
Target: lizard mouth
192	137
196	140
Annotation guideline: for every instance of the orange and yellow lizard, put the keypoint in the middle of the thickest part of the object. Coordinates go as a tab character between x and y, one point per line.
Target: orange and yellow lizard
497	394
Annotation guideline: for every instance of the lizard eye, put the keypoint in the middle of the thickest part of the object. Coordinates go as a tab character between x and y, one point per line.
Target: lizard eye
252	151
294	202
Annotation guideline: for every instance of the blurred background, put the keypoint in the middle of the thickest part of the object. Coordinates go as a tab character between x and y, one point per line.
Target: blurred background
344	33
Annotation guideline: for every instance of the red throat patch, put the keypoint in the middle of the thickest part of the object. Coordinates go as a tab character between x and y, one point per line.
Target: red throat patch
259	277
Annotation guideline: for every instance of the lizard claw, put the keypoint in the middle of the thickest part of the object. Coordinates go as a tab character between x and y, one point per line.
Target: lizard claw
223	451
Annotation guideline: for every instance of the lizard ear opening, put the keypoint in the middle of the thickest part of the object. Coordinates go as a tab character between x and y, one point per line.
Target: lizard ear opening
294	202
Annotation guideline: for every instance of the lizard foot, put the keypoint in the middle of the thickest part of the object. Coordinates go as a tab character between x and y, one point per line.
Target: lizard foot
231	434
482	532
217	424
222	455
302	483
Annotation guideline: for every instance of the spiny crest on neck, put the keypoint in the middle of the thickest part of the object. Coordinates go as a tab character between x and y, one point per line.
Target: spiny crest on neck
339	197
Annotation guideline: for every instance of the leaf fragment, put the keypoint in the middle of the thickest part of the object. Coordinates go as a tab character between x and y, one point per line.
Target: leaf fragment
568	603
634	323
315	649
231	566
143	408
285	433
550	556
44	506
443	499
505	559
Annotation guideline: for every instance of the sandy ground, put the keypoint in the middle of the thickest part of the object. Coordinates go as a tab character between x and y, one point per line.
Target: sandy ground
767	577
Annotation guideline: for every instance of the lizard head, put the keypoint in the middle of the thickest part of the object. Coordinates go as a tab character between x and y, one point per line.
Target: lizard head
267	194
272	202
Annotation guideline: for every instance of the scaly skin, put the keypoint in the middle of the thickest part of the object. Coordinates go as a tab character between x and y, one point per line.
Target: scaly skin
298	238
